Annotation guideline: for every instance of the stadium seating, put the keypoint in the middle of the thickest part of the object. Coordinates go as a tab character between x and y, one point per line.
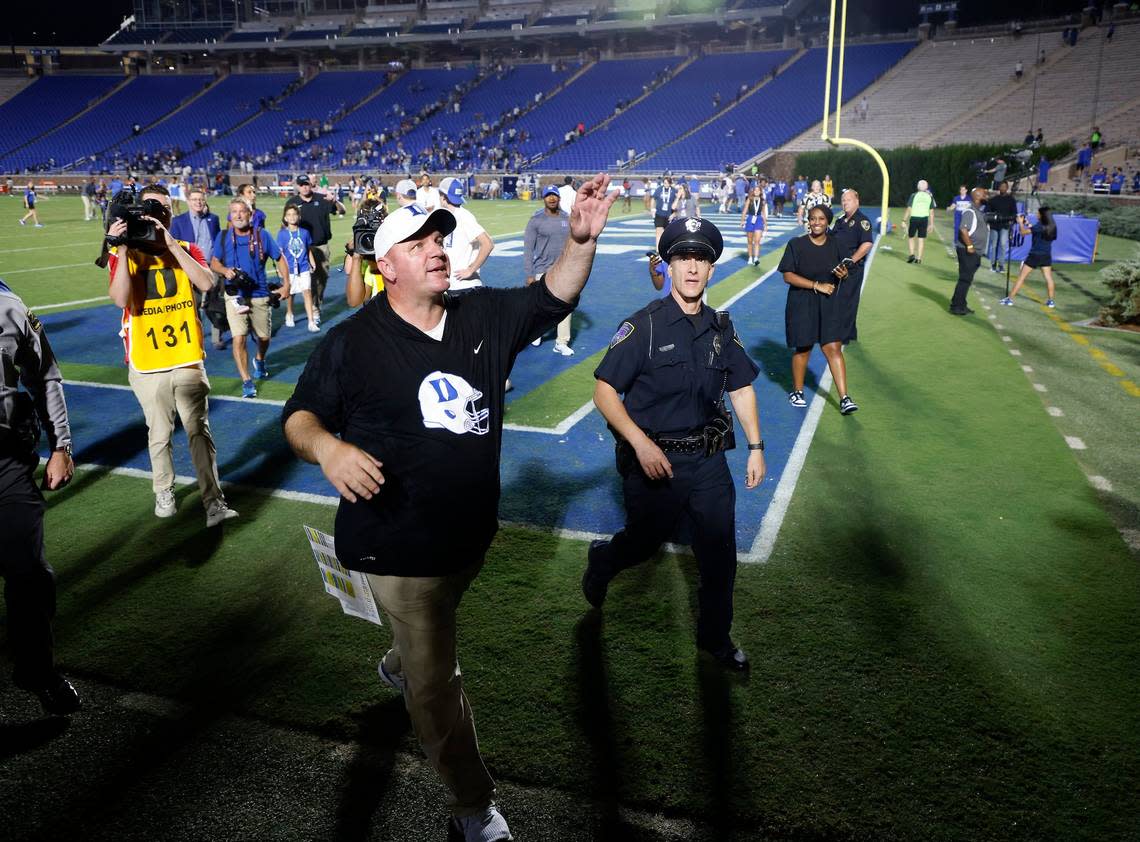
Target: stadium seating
778	110
583	100
252	36
232	100
142	100
437	27
197	34
684	101
147	35
46	103
323	34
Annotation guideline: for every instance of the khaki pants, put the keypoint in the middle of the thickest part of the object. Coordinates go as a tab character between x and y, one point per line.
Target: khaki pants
183	390
422	613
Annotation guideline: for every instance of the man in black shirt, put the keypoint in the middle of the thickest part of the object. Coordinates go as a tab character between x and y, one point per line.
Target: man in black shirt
413	448
1002	210
315	212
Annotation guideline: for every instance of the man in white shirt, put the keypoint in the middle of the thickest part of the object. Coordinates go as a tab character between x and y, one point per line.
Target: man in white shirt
469	245
427	197
566	195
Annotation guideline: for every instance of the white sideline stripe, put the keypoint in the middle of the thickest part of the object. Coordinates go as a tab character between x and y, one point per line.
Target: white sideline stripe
48	268
47	248
1040	387
996	325
41	307
1015	352
566	424
1006	338
993	317
119	387
1027	369
1075	443
1100	483
1055	411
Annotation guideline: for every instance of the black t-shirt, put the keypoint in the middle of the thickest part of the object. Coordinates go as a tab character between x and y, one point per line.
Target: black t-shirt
315	215
806	259
672	373
1003	205
432	412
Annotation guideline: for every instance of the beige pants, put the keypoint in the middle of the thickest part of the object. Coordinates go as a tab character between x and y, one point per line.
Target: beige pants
183	390
422	613
563	334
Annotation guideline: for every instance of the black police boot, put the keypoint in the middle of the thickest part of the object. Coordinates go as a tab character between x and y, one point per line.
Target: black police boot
56	694
729	656
595	582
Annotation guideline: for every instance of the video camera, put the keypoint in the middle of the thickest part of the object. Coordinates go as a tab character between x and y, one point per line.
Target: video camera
364	230
125	205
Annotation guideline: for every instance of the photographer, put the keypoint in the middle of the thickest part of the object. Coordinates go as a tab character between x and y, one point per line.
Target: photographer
1001	211
364	278
153	278
240	252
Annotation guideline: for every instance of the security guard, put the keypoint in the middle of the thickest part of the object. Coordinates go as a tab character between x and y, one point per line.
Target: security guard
853	232
29	589
673	361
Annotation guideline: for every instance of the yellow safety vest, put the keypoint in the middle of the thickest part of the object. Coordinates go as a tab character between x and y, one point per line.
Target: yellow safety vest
164	331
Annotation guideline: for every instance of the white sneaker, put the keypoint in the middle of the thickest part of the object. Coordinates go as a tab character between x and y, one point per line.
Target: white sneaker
395	680
487	826
289	320
164	505
537	342
563	349
316	316
314	327
217	512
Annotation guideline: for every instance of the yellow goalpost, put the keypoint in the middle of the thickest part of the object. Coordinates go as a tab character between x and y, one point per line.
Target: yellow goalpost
837	139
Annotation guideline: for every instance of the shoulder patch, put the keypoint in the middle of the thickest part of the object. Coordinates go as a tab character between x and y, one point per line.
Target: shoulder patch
736	339
34	321
866	224
623	333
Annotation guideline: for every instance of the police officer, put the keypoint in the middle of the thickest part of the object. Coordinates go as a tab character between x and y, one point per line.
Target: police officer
673	361
29	582
853	233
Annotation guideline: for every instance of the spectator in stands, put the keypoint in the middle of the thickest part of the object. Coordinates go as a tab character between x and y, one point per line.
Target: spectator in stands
1043	167
1043	232
1018	70
862	108
546	233
1136	182
1096	140
1117	184
296	245
242	247
919	215
660	204
566	194
1084	161
754	219
468	245
30	205
1039	139
813	268
811	199
427	196
1002	212
200	227
1100	179
316	211
88	196
972	232
167	376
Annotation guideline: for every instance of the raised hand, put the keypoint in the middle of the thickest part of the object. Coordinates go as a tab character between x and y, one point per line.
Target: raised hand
591	208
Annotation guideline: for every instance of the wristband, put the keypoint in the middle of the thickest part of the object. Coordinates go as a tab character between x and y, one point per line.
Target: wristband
758	446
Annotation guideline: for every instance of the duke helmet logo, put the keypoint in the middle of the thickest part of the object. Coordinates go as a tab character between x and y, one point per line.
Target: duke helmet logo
447	401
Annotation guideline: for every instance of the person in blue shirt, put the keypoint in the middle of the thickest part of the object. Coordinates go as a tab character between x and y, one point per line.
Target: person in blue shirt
801	189
754	219
1043	167
242	247
30	204
297	245
115	186
960	203
1084	160
661	204
1117	184
1044	232
779	196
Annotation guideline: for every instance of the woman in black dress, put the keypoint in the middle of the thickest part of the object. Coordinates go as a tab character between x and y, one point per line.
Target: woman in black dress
813	269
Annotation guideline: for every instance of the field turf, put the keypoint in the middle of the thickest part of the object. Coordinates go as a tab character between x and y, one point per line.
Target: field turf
943	637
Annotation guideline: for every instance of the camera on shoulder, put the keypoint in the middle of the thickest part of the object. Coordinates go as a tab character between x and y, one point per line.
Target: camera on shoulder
368	220
127	206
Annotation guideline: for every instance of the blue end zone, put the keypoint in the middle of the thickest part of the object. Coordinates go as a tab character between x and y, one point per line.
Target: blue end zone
558	482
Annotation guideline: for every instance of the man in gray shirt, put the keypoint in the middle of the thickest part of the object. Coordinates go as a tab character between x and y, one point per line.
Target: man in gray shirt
29	582
971	236
545	236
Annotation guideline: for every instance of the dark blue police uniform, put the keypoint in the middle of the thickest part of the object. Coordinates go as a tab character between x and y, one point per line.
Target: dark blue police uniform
849	233
673	369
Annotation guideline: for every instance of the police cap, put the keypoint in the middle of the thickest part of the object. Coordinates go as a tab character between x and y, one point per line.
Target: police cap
691	234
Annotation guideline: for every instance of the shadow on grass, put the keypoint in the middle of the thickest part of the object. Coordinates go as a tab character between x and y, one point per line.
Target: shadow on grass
382	730
775	359
594	719
22	737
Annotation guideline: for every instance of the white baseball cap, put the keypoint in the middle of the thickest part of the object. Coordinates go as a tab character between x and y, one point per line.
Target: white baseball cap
407	222
405	187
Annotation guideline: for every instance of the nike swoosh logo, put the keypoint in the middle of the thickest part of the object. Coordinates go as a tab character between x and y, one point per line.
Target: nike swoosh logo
480	345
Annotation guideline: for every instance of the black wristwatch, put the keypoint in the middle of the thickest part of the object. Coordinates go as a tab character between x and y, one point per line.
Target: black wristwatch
758	446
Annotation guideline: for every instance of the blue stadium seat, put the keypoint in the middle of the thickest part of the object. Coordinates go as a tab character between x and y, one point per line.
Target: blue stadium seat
46	103
313	34
253	37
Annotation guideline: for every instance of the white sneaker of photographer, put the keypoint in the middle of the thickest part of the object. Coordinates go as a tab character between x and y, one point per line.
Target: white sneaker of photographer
563	349
395	680
217	512
486	826
316	316
164	505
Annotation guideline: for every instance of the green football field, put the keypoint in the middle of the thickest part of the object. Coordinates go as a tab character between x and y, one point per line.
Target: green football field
943	638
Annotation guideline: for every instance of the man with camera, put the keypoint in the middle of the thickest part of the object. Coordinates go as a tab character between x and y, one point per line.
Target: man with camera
153	278
240	252
29	582
200	227
1001	211
364	278
316	211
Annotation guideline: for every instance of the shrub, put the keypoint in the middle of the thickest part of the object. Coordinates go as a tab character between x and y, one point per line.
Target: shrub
1114	221
1123	279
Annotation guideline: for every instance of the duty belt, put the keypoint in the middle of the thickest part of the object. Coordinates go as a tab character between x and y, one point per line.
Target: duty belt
684	444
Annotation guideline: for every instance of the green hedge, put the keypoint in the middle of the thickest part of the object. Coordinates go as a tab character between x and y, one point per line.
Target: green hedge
944	168
1123	279
1116	221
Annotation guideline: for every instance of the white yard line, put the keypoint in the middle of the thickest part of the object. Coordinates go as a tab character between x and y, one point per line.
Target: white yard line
39	308
6	272
120	388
